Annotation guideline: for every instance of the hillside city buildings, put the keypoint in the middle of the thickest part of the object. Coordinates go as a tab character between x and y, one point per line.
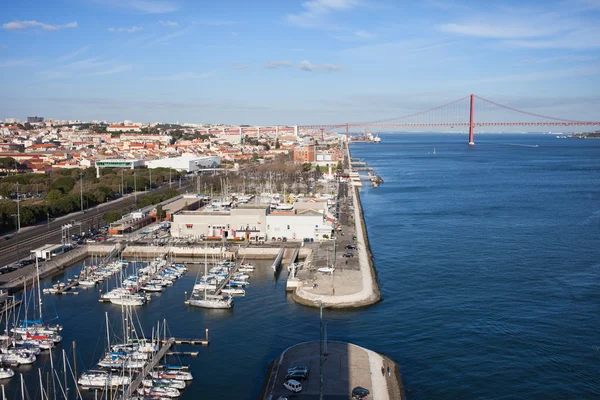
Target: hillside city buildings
40	146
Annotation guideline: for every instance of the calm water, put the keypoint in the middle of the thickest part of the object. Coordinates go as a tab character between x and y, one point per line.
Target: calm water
489	266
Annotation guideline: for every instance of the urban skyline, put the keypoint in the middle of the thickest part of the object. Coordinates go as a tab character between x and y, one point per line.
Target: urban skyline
302	62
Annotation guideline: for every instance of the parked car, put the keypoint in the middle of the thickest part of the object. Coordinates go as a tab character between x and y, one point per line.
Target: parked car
360	392
350	246
293	386
297	368
348	254
297	375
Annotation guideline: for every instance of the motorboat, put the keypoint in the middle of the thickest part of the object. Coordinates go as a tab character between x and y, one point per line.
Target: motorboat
159	392
102	379
6	373
164	383
128	300
326	270
212	301
176	375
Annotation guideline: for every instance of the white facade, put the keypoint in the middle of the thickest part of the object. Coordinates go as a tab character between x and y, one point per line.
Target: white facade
297	226
186	163
249	221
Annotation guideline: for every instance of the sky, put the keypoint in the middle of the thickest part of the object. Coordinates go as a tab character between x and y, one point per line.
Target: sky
294	62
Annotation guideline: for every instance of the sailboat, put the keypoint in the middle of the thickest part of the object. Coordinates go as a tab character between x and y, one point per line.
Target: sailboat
211	301
35	330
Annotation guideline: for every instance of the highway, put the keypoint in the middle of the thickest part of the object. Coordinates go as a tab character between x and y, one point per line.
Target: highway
29	238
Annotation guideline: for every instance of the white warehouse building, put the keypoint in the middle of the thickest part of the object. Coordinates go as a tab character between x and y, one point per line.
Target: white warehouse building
186	163
253	222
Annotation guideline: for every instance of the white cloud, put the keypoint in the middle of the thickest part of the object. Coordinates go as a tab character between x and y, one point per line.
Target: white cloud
16	63
536	76
316	12
113	70
356	35
168	24
498	30
145	6
73	54
240	66
215	22
22	25
165	39
278	64
133	29
183	76
308	66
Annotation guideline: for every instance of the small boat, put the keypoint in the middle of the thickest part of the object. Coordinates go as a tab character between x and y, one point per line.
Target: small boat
159	391
176	375
6	373
151	288
212	301
128	300
164	383
326	270
233	291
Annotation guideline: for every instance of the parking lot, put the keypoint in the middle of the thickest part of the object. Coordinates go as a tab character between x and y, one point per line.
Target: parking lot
345	367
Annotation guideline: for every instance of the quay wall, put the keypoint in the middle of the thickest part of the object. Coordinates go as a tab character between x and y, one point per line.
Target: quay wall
28	273
369	293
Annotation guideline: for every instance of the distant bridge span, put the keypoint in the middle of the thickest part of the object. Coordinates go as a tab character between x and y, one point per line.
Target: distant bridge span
458	113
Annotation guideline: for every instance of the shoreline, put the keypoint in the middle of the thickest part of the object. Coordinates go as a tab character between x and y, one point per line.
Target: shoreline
369	292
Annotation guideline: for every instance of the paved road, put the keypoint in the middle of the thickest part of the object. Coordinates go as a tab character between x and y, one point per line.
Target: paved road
20	246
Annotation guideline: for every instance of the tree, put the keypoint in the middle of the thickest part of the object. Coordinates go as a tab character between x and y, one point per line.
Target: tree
277	143
160	213
54	196
111	216
63	183
339	165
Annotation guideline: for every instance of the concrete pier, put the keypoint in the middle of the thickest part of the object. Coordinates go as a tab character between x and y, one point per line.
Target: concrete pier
354	282
345	366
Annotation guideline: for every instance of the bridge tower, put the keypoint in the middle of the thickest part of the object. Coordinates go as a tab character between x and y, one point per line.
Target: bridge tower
471	122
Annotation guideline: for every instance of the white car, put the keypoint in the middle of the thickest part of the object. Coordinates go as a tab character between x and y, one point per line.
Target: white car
293	386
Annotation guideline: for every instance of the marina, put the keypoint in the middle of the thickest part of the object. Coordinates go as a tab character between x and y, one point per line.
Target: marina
265	312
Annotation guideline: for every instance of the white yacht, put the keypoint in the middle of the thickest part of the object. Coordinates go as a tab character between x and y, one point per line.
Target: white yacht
102	379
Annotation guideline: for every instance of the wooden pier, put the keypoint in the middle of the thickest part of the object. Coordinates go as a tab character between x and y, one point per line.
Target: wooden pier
133	387
228	277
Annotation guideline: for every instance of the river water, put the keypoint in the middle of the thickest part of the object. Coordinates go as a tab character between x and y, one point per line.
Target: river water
488	261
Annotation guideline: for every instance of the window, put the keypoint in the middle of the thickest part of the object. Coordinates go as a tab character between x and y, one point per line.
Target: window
288	227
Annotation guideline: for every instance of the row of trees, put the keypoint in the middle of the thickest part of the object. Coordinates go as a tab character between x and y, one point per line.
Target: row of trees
64	191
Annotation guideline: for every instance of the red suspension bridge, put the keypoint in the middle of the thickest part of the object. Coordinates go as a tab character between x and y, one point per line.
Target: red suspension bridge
461	113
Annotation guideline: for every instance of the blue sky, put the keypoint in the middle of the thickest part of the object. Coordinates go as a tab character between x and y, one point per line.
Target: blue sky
294	62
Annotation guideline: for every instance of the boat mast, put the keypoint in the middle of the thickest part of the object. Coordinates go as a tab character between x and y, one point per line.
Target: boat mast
37	270
65	372
107	331
22	388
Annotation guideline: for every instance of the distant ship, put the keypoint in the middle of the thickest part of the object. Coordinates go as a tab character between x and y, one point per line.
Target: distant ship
365	137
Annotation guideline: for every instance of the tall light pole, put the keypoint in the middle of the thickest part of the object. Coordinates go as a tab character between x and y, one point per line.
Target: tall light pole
321	352
18	210
17	235
135	189
122	183
150	169
81	189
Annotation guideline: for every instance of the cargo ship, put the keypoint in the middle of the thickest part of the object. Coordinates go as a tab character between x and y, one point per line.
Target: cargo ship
365	137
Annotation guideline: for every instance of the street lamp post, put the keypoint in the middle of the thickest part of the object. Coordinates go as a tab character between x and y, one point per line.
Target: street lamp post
17	237
135	189
18	210
81	189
